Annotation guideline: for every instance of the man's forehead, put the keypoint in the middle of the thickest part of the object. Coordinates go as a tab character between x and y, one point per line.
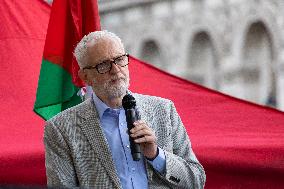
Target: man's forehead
105	49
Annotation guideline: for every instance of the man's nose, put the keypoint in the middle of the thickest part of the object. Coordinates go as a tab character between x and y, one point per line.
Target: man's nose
114	68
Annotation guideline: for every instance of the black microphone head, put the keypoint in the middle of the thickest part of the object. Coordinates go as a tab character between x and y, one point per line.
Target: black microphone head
128	101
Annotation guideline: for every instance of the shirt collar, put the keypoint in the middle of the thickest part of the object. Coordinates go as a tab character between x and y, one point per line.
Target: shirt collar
100	105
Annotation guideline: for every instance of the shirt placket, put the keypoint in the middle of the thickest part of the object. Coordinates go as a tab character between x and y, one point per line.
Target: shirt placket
126	145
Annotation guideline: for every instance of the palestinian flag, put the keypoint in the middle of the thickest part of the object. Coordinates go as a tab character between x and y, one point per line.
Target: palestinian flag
58	82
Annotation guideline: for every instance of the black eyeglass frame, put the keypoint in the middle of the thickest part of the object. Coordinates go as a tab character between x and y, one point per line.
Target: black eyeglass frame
108	61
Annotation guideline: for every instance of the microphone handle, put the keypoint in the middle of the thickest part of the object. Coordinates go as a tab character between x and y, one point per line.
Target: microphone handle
135	148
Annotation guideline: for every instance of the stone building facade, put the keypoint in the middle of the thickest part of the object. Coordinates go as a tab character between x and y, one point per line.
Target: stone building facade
234	46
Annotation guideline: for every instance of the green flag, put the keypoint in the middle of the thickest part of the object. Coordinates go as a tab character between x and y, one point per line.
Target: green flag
58	82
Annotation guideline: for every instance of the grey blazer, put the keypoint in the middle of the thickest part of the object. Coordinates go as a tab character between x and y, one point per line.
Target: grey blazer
77	153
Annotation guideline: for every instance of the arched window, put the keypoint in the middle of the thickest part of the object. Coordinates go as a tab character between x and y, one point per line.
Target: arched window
151	53
202	66
257	76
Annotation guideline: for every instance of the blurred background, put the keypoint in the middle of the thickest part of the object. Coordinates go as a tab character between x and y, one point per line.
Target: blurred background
233	46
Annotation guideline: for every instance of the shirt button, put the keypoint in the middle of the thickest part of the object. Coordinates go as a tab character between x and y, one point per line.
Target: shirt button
127	146
133	169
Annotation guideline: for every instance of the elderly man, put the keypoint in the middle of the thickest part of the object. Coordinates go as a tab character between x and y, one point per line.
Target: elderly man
88	145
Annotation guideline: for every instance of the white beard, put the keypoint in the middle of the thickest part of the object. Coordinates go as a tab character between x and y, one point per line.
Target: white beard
112	90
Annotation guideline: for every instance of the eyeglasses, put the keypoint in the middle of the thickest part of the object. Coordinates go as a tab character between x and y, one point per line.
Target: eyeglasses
106	65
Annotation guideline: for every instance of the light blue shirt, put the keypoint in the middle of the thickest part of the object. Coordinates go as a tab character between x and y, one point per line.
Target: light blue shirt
132	174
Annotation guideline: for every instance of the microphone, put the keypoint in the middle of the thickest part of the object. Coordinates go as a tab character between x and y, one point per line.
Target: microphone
129	104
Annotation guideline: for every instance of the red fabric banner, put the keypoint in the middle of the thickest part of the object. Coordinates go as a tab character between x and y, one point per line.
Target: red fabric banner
22	35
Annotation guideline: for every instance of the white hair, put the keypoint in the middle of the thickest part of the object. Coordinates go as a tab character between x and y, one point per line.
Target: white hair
81	50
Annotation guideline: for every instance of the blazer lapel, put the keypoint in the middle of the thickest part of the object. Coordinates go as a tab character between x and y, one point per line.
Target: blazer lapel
91	128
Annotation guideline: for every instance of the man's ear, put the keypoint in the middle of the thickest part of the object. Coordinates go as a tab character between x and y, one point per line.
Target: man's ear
83	76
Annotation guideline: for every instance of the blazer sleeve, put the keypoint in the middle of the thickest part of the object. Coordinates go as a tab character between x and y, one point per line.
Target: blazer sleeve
60	171
182	167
